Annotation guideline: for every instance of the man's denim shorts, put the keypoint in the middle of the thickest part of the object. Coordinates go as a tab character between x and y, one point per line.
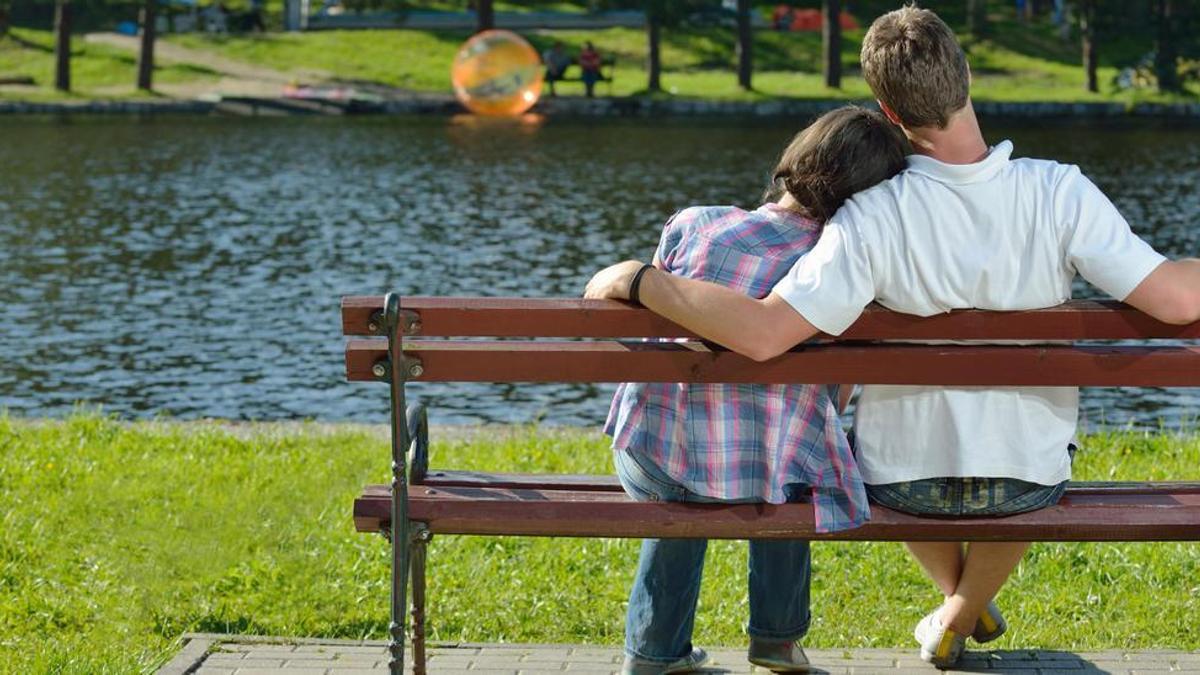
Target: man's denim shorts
954	497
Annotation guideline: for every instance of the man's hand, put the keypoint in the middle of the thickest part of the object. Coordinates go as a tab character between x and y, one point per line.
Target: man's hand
613	282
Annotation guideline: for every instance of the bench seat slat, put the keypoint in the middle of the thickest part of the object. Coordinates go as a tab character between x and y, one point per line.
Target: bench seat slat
570	317
539	481
1161	515
609	483
949	365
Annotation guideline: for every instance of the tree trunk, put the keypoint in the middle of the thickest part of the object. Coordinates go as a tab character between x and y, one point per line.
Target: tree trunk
1087	21
3	19
62	45
653	64
1166	57
485	16
145	64
831	43
745	45
977	21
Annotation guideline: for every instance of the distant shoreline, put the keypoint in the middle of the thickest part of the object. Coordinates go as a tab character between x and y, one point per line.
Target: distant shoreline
432	104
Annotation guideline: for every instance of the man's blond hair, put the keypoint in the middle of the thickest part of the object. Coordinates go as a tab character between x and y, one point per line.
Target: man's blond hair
914	65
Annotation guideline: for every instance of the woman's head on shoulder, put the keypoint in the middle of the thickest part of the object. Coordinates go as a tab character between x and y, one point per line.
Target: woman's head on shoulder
842	152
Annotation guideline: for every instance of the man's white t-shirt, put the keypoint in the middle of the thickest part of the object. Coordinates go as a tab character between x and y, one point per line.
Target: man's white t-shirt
1000	234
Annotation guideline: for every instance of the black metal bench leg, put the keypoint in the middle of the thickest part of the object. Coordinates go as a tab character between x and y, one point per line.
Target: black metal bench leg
420	541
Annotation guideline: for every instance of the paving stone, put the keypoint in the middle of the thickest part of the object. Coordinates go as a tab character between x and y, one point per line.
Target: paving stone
308	663
448	663
247	662
280	671
268	648
214	671
1112	666
365	649
1052	655
316	652
231	659
561	654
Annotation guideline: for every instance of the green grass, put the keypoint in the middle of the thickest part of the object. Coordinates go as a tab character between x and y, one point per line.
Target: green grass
97	71
1018	62
117	538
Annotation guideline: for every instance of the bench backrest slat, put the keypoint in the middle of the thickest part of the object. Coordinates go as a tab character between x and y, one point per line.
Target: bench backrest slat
951	365
563	317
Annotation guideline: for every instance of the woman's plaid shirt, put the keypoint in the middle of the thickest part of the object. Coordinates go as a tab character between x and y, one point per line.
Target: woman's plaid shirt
738	441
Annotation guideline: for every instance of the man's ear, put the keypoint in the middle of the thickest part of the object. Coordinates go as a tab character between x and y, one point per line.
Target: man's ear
889	113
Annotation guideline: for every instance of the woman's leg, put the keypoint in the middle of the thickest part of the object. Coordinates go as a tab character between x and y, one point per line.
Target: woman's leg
666	586
779	581
986	568
942	562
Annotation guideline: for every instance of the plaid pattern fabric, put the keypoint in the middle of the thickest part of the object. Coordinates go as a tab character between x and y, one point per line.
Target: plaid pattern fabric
742	441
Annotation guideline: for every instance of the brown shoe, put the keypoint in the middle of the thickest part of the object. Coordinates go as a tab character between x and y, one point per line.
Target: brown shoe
778	657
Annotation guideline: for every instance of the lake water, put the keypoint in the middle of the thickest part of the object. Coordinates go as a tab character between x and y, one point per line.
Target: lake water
191	267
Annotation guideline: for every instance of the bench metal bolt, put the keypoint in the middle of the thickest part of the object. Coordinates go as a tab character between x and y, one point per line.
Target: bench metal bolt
416	370
379	370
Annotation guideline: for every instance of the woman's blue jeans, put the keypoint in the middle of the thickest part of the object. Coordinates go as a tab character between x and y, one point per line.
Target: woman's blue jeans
662	604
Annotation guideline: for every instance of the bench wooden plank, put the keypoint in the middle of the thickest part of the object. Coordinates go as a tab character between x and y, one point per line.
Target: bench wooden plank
561	317
950	365
438	478
1158	515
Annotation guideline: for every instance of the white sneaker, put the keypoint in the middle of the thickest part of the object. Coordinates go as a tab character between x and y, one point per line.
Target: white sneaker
939	645
991	624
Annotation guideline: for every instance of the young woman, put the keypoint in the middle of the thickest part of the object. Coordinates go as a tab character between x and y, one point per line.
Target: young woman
747	443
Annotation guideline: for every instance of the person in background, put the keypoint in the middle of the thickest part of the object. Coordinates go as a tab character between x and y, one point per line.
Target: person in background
557	60
589	66
746	443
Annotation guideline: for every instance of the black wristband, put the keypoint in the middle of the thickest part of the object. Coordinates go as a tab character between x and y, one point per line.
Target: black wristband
636	284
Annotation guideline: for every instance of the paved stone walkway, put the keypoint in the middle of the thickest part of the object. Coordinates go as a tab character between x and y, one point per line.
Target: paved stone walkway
241	655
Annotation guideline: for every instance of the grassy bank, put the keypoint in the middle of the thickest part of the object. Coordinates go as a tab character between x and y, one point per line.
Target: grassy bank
97	71
116	538
1018	62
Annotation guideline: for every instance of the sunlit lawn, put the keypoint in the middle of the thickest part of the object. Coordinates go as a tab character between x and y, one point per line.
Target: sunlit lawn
115	539
97	71
1018	63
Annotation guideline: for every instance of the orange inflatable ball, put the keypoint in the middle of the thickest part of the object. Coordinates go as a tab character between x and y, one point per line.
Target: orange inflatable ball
497	72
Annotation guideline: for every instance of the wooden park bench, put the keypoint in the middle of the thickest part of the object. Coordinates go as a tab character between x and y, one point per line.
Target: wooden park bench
414	339
608	67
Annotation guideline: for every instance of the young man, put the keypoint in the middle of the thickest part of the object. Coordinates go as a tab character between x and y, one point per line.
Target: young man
964	227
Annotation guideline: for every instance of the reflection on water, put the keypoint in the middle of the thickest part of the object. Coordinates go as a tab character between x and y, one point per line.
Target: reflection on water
192	267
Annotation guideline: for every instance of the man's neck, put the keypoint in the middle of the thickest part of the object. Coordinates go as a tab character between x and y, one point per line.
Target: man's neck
961	142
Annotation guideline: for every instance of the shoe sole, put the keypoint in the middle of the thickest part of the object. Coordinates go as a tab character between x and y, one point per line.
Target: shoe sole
687	667
776	667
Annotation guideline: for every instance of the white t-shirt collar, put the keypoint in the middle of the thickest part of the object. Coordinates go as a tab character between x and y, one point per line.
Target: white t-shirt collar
962	174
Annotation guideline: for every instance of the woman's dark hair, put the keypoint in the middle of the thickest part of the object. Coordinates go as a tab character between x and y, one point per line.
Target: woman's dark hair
843	152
